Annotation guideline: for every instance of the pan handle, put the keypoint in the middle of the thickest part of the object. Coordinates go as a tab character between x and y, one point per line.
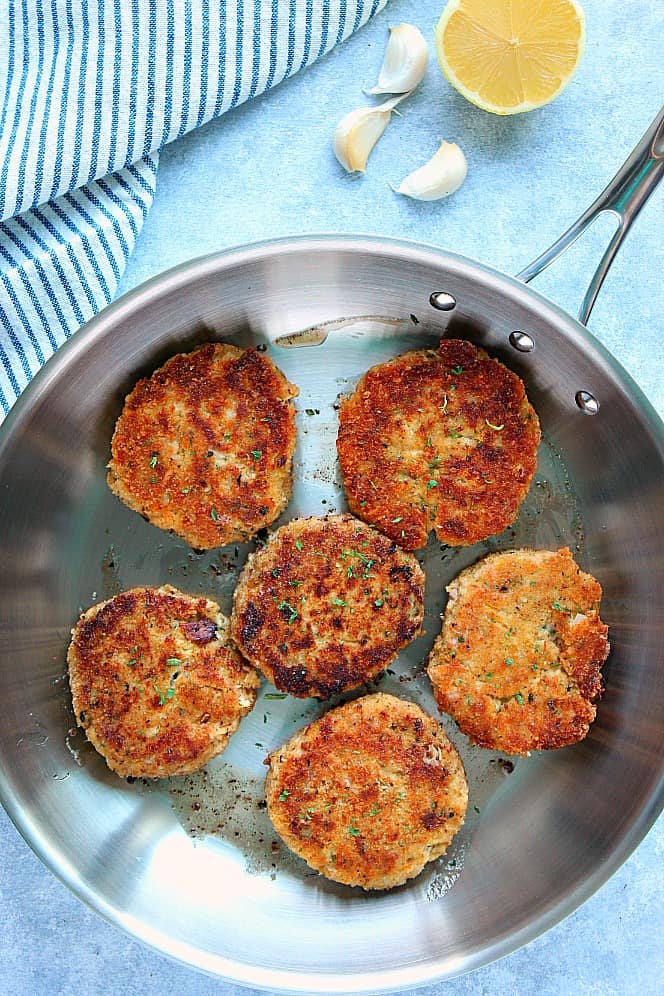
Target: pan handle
624	197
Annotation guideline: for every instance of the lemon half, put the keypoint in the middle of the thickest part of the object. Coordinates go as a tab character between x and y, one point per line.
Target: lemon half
510	56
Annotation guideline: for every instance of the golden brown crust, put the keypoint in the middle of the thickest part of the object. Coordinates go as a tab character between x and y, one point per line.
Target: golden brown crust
368	794
326	605
441	440
156	683
518	662
204	446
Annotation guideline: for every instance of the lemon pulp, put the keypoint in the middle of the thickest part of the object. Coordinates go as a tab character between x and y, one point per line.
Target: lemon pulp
509	56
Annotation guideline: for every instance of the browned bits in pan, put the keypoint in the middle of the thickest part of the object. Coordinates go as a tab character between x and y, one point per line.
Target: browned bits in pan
518	662
153	697
441	440
326	605
204	447
368	794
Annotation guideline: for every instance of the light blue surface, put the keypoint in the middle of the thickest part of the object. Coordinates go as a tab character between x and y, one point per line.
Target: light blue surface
267	170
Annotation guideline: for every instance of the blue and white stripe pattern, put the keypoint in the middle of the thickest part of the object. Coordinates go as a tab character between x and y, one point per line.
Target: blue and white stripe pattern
90	90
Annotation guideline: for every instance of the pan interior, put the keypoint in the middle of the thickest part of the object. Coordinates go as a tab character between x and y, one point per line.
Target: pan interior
191	865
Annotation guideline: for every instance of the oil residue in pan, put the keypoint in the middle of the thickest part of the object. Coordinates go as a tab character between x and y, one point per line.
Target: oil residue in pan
222	805
224	801
316	335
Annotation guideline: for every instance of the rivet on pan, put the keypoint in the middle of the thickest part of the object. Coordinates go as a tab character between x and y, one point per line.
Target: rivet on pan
587	402
522	341
442	301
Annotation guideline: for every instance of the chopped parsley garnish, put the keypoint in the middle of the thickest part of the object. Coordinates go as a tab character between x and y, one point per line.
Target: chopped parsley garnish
429	443
256	454
276	571
153	461
338	601
509	661
356	553
533	667
362	504
498	428
476	808
457	370
519	698
275	695
284	795
398	518
310	411
353	831
432	484
173	661
213	515
378	602
454	434
289	608
374	811
558	607
298	545
227	435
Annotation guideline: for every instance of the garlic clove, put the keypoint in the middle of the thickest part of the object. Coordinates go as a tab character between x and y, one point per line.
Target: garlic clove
439	177
357	133
405	62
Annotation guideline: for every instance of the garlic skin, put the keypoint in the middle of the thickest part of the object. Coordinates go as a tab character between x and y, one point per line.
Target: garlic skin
439	177
357	133
405	62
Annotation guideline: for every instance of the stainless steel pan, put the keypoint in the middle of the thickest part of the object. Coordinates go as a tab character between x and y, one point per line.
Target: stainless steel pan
191	866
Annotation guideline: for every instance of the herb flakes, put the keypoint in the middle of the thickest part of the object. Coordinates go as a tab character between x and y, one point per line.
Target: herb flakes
289	608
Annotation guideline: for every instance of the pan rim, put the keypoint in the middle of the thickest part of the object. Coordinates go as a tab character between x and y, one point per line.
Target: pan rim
396	978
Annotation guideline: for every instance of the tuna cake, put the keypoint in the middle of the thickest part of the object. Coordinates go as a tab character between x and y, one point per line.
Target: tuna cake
518	662
442	440
326	605
204	446
368	794
156	683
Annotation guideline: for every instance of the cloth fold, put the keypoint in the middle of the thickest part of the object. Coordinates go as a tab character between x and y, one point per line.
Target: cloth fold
90	90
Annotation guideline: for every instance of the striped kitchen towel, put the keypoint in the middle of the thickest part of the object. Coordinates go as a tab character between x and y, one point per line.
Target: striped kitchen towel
90	90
